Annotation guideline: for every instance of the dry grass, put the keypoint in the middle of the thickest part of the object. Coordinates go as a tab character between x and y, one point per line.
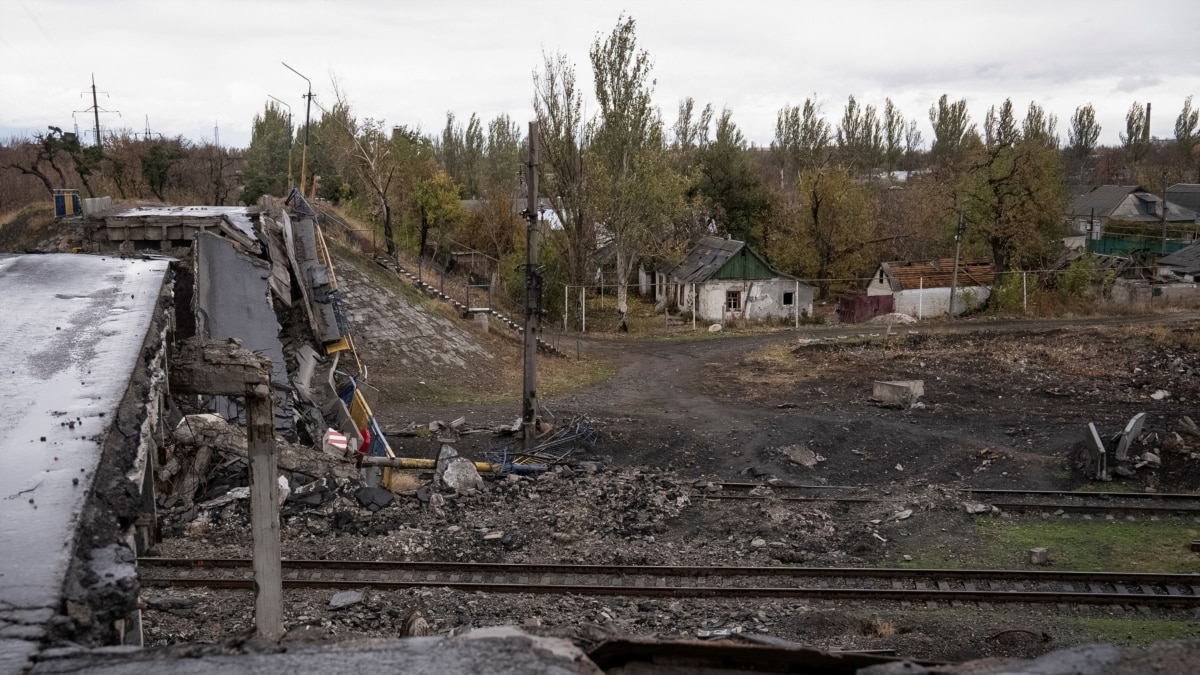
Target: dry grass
879	627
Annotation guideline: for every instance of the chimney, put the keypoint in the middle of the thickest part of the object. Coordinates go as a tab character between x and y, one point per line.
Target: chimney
1146	132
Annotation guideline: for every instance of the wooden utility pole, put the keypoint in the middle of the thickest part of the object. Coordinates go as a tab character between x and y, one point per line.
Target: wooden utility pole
958	237
533	295
225	369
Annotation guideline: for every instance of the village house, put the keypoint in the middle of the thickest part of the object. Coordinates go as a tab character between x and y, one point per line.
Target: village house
922	289
1092	214
723	279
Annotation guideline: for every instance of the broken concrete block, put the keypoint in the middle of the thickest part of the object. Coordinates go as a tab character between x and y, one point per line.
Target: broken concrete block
1188	427
801	455
1152	460
1160	394
1172	442
1132	431
1039	556
904	515
1124	471
901	393
1097	451
977	508
373	498
454	472
345	599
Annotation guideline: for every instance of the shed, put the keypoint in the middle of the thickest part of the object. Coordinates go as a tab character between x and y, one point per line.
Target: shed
922	289
725	279
1183	264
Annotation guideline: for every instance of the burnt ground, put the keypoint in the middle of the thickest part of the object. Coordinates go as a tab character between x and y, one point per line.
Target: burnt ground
1006	405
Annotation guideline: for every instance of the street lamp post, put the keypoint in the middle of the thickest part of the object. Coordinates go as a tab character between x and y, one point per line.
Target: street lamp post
304	154
290	131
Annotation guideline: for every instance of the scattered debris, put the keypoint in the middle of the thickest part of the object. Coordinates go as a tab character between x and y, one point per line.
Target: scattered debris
1039	556
898	393
345	599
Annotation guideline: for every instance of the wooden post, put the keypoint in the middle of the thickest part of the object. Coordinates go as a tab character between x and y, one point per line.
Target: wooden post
533	292
264	513
225	369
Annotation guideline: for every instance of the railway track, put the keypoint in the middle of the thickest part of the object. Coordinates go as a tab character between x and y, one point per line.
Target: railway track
864	584
1148	504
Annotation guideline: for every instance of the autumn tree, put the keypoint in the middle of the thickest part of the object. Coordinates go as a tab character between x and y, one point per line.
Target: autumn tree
953	133
802	141
47	158
860	136
1136	138
635	186
732	188
157	163
557	104
835	231
1185	134
1082	137
1015	194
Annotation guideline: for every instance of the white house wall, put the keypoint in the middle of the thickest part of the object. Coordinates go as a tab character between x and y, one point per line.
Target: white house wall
761	299
932	302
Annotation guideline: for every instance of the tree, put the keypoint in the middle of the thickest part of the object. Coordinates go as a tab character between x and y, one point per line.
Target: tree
835	232
502	160
1136	137
437	203
1039	127
893	135
266	169
1084	131
859	136
802	138
1185	129
691	131
160	157
1015	193
44	156
732	188
628	151
557	104
953	132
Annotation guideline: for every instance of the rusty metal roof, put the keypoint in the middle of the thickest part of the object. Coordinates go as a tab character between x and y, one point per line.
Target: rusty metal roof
906	276
708	255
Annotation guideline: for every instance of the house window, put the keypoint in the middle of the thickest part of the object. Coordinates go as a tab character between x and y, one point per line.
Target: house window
789	299
733	300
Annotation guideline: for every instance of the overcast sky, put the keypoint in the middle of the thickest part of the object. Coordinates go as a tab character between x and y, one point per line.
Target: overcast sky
190	66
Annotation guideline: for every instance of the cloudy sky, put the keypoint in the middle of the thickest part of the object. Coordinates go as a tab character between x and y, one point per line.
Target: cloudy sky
192	66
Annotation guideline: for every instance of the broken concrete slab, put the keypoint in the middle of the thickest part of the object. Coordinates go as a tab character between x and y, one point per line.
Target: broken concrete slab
345	599
456	473
1039	556
900	393
1097	451
1132	431
373	498
802	455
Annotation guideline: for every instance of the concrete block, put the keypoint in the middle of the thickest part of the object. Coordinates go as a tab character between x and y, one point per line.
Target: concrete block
1097	451
1129	435
1039	556
902	393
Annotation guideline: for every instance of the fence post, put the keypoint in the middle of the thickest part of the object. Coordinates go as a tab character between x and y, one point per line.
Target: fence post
583	309
566	309
1025	291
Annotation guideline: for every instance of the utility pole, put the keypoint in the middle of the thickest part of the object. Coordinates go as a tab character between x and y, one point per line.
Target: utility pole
307	117
958	237
1164	210
533	295
96	109
290	133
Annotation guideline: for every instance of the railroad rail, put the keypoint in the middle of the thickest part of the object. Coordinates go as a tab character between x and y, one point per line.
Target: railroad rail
1183	504
824	583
